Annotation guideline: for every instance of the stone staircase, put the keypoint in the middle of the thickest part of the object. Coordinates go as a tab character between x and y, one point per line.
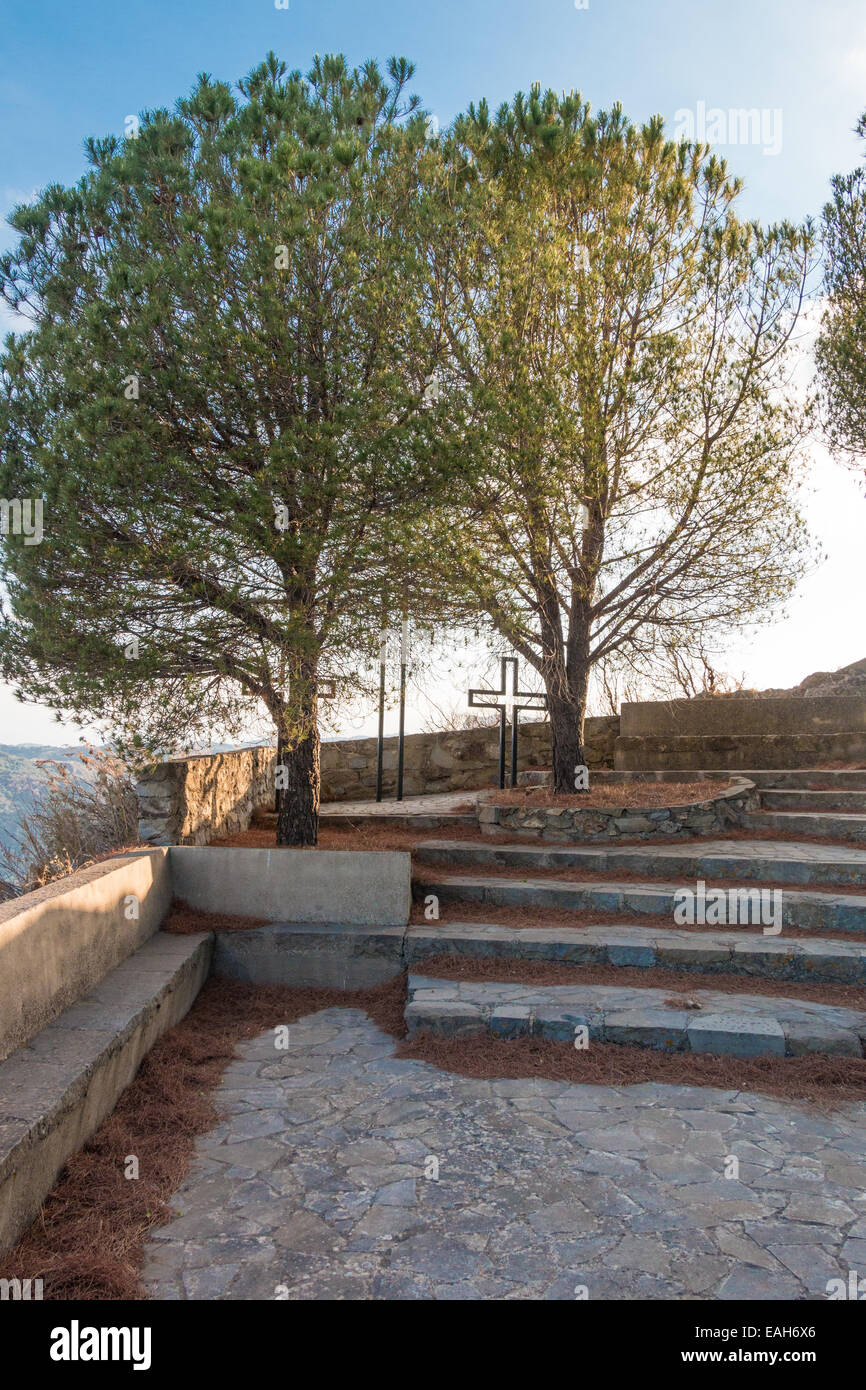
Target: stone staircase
819	901
821	802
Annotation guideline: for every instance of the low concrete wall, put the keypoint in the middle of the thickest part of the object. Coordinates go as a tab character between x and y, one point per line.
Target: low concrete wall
191	801
829	714
56	1091
352	887
59	941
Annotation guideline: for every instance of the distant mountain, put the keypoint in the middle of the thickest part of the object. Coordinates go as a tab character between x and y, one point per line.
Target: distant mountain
20	779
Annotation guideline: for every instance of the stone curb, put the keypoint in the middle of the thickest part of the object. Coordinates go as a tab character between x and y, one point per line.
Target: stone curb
777	958
601	823
719	861
828	911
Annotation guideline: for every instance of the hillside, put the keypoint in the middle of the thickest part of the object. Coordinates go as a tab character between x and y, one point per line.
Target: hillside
20	777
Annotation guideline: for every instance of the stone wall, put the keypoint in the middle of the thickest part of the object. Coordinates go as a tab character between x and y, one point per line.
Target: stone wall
463	759
191	801
829	714
698	752
568	825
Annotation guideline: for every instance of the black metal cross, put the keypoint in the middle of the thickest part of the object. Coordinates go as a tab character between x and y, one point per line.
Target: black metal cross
504	700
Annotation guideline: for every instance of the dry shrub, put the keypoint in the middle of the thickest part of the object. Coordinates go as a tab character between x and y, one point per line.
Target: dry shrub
80	815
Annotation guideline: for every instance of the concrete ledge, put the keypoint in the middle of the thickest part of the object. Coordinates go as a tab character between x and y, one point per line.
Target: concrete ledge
353	887
837	827
58	941
852	779
326	956
55	1092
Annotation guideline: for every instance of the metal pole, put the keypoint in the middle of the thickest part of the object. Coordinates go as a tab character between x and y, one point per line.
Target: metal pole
381	739
277	765
514	718
502	748
281	745
404	642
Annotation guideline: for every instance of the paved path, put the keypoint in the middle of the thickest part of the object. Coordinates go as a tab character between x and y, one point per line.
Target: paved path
440	803
314	1186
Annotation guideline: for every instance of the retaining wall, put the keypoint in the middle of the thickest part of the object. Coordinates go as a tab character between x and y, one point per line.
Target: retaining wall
191	801
567	825
829	714
353	887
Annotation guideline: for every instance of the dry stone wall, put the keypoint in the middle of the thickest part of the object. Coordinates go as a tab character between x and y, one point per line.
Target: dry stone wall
568	825
191	801
462	759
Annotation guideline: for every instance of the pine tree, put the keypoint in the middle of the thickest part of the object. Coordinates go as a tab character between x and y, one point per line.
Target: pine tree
619	337
221	406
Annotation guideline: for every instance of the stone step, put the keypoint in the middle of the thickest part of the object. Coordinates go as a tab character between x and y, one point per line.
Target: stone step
846	779
396	821
833	827
802	799
731	1025
55	1091
851	779
722	952
809	910
729	859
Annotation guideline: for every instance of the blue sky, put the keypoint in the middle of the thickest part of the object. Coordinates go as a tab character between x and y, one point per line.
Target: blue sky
71	70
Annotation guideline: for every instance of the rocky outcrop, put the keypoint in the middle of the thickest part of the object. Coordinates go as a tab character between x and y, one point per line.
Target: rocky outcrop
848	680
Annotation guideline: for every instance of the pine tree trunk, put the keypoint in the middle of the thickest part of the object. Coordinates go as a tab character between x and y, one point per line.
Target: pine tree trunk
298	799
566	731
567	704
298	814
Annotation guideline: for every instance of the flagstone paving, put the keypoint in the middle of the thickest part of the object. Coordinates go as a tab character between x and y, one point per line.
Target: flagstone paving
320	1183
